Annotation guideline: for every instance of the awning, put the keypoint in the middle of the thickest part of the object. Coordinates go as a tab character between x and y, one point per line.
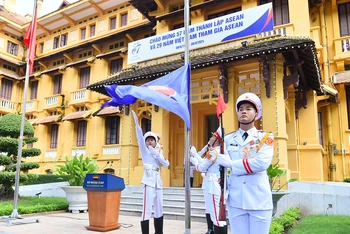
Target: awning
49	119
32	121
53	69
111	53
108	111
13	76
293	49
341	77
77	115
90	59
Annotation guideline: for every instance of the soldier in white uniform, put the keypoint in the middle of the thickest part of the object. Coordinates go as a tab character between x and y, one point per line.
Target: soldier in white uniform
249	201
209	165
152	159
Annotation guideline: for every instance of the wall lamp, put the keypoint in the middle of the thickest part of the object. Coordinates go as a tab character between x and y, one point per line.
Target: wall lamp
244	43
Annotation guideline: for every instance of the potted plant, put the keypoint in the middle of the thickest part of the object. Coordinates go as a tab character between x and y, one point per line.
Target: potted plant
274	172
76	169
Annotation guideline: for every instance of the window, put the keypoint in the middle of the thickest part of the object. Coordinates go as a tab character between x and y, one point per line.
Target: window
41	47
57	84
211	125
30	145
112	23
92	30
344	19
81	136
82	33
176	26
146	125
34	90
6	89
116	66
280	11
54	136
12	48
124	20
320	128
216	15
348	103
84	77
112	130
55	42
64	39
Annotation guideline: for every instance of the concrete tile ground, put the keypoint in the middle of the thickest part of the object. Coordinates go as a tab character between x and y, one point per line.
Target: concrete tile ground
68	223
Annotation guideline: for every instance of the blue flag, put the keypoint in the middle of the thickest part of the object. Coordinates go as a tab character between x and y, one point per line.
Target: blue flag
170	92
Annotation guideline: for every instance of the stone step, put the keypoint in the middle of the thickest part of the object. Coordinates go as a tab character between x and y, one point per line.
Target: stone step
166	208
166	201
177	195
167	215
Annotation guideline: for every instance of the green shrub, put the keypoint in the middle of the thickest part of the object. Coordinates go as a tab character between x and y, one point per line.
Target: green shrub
76	169
45	178
285	221
347	180
293	212
276	228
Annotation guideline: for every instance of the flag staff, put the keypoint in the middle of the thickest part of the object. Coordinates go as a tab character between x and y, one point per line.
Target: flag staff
20	141
187	132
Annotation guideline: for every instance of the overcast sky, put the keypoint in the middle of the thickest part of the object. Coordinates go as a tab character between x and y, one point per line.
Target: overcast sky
24	7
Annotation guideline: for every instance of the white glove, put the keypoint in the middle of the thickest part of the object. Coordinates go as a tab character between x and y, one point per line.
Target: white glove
193	151
136	119
194	161
153	151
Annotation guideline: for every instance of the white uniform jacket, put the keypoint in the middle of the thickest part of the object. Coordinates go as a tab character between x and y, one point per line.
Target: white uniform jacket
248	183
152	163
210	165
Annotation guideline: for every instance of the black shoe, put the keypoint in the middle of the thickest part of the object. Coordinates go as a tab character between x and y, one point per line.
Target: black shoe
158	225
145	227
220	230
209	224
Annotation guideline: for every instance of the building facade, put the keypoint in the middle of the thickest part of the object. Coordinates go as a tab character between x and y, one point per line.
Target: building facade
299	69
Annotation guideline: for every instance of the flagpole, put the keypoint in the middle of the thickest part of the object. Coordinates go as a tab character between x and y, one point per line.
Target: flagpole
187	135
20	141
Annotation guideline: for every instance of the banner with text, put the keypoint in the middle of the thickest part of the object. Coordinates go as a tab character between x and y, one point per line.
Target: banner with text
239	24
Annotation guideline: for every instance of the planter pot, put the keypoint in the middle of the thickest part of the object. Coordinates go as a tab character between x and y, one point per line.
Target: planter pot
276	196
77	198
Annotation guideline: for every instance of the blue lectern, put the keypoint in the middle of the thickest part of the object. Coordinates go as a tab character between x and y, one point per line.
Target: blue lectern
104	193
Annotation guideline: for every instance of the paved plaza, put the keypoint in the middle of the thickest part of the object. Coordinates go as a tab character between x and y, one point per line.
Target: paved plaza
68	223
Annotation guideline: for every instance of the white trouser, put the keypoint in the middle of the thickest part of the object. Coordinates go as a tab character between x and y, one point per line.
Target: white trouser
152	196
249	221
212	206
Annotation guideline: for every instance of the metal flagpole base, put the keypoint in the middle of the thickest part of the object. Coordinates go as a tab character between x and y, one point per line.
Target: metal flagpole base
14	218
187	231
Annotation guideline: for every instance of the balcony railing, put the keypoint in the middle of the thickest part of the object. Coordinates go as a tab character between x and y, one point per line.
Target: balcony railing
53	101
32	106
283	30
80	96
7	105
342	47
51	153
110	150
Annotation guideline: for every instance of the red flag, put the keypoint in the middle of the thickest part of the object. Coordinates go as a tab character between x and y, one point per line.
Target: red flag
221	106
30	40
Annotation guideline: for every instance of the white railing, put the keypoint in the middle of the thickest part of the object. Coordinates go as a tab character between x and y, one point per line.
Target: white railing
283	30
51	100
78	152
51	154
29	105
7	104
80	94
110	150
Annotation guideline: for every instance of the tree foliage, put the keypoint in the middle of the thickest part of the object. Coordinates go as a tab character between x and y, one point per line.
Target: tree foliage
10	126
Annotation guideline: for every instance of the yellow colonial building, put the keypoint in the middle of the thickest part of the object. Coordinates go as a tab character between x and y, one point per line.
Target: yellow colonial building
298	68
